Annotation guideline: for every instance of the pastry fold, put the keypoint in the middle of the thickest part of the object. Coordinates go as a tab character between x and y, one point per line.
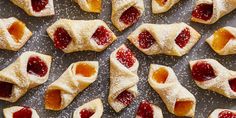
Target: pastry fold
8	112
171	39
123	81
13	34
75	79
161	6
90	5
221	79
92	35
224	113
18	78
178	99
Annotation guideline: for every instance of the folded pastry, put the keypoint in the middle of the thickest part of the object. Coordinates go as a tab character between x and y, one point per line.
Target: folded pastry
80	35
20	112
90	5
210	11
161	6
178	99
210	74
123	78
223	113
126	12
38	8
13	34
92	109
171	39
75	79
223	41
148	110
28	71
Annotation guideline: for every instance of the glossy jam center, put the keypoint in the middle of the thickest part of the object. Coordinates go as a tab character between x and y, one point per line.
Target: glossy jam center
95	5
86	113
125	97
145	40
183	107
203	11
23	113
17	30
39	5
232	84
227	114
5	89
221	38
145	110
53	99
61	38
161	2
102	36
125	57
85	70
160	75
130	16
202	71
183	38
36	66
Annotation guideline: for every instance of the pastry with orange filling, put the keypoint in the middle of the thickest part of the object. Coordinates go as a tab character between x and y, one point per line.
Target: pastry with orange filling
223	41
75	79
90	5
178	100
161	6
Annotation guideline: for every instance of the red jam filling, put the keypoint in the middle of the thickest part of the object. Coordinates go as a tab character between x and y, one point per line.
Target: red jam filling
145	40
183	38
226	114
125	97
232	84
5	89
61	38
102	36
39	5
130	16
36	66
145	110
203	11
202	71
23	113
86	113
125	57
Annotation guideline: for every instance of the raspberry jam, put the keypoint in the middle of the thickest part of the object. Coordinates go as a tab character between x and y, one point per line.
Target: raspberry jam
232	84
23	113
102	36
161	2
183	38
39	5
226	114
85	70
160	75
130	16
183	107
125	57
203	11
145	110
125	97
36	66
202	71
145	40
5	89
86	113
53	99
61	38
17	30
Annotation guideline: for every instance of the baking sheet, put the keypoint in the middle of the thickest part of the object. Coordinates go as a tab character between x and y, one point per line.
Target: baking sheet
207	101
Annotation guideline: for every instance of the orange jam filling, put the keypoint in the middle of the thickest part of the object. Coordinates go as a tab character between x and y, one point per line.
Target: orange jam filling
17	30
53	99
85	70
95	5
160	75
161	2
183	107
221	38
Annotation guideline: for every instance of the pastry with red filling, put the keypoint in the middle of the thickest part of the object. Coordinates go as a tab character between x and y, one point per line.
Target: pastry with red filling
161	6
148	110
20	112
223	113
90	5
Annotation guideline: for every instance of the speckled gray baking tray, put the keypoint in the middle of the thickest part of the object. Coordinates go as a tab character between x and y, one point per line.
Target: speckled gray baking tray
207	101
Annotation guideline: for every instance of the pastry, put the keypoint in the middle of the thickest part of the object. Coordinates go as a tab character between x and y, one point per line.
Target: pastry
80	35
37	8
75	79
92	109
148	110
123	78
20	112
210	11
161	6
171	39
31	69
178	99
210	74
223	41
90	5
13	34
126	12
223	113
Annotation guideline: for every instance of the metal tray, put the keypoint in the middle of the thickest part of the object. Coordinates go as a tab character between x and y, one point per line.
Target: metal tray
207	101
